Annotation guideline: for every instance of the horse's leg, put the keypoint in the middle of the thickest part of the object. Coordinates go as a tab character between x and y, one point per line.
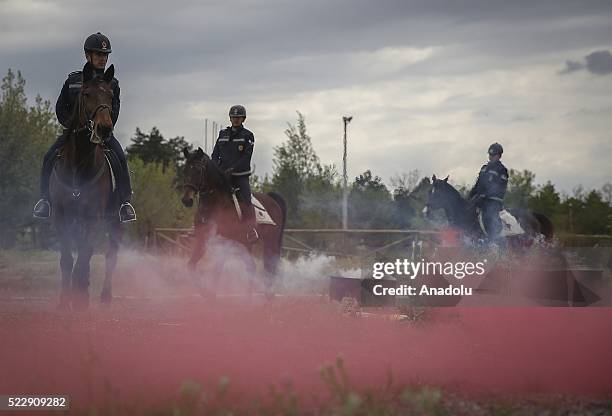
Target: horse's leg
66	265
80	274
271	257
199	249
251	268
114	239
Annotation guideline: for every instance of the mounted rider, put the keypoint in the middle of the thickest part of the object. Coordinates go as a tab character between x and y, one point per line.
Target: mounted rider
489	191
232	153
97	48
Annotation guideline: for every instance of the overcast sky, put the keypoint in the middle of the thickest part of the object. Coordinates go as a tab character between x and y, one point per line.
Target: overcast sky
430	83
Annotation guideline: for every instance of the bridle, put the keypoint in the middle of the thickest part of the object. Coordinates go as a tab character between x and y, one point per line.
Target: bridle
89	123
198	164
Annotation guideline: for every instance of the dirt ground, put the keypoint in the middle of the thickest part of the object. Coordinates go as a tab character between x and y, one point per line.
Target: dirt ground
159	334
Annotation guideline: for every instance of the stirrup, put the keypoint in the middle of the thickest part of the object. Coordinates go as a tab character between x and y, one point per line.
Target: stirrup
130	214
252	235
42	209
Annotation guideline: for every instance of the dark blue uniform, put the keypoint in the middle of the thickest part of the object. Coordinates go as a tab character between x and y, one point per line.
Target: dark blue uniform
63	110
489	192
233	151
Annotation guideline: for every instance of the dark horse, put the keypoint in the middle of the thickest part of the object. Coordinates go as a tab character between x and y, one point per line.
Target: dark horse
81	191
462	214
216	212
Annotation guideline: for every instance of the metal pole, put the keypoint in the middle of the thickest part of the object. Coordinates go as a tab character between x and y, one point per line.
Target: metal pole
205	135
346	120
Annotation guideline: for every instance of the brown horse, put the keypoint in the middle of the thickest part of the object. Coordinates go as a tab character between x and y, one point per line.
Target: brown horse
216	213
81	190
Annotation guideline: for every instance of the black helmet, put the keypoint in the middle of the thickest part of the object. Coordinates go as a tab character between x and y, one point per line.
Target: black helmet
496	149
97	43
237	111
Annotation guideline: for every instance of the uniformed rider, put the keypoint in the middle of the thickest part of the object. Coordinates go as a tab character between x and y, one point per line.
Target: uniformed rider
489	191
97	48
232	153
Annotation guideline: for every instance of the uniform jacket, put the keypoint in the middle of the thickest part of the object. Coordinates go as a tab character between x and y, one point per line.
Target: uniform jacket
492	181
70	91
233	150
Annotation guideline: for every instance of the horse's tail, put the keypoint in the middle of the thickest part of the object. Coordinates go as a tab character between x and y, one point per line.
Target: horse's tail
546	226
283	206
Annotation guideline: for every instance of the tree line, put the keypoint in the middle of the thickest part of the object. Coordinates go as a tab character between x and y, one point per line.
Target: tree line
313	190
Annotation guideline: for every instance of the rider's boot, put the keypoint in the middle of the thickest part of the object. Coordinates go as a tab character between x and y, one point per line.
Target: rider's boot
249	218
127	213
42	209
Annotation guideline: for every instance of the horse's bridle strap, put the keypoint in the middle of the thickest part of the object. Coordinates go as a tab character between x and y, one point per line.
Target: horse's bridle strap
197	188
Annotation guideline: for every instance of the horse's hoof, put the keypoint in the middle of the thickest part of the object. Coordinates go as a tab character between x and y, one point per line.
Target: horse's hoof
207	294
80	302
63	306
64	301
106	298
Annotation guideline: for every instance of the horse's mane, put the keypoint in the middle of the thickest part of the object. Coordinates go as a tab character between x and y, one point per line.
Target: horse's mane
450	188
75	117
216	177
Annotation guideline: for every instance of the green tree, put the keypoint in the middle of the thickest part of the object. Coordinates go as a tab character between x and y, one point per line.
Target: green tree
403	202
593	217
156	199
153	148
297	152
310	189
26	133
370	203
546	200
520	188
321	198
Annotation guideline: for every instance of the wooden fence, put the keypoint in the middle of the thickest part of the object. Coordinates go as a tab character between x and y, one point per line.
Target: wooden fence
310	241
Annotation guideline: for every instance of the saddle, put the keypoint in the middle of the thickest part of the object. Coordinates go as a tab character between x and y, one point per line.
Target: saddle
261	214
510	225
112	160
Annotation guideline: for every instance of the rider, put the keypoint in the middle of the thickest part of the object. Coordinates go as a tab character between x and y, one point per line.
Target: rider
489	190
97	48
232	153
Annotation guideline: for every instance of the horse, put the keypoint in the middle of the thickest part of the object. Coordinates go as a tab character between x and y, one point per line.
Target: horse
462	214
217	214
81	191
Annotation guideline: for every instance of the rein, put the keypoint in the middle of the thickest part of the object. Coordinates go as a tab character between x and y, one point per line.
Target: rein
76	192
88	124
198	188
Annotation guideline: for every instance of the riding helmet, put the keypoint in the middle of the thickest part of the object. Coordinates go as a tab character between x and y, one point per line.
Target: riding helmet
496	149
97	43
237	111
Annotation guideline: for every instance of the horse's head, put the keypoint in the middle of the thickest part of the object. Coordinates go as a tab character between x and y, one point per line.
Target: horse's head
194	173
96	103
438	195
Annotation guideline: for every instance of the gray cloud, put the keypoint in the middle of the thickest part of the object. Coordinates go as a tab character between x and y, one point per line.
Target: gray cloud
598	63
418	75
572	66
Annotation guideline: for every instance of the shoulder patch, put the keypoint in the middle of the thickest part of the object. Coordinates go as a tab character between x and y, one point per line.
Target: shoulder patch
75	77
